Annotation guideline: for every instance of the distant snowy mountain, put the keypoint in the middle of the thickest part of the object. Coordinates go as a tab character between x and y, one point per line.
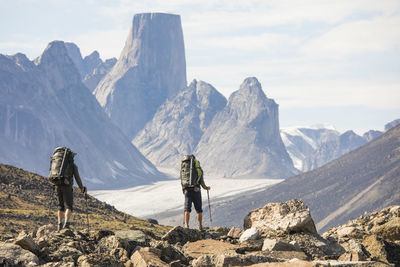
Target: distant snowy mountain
178	125
243	139
150	69
91	68
312	147
44	104
301	142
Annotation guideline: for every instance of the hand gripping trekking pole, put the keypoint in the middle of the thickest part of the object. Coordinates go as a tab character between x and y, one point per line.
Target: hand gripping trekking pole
209	206
87	215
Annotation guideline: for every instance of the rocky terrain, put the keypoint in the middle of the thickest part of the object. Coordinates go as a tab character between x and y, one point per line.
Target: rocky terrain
278	234
27	201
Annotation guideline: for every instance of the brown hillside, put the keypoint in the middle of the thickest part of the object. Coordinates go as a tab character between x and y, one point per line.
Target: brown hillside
27	201
362	181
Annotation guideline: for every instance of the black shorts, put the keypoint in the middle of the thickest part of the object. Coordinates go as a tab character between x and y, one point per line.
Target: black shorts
195	198
65	197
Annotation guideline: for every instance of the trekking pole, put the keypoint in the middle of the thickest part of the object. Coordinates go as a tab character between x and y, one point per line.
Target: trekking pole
209	206
87	214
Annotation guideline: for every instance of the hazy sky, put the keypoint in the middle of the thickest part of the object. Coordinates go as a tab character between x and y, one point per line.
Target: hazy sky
323	61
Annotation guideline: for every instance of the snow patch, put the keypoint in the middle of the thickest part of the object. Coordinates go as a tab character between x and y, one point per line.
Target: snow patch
120	165
167	195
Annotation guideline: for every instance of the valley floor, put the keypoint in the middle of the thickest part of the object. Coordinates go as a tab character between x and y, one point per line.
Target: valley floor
165	197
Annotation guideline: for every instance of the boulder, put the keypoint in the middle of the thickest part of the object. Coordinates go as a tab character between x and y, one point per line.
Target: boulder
208	246
354	251
146	257
135	236
277	245
178	234
376	247
65	253
230	260
235	232
25	241
14	254
108	243
390	230
249	234
290	216
250	245
169	253
98	260
45	230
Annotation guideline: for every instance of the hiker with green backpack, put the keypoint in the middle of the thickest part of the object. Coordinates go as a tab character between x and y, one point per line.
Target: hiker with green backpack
62	171
191	179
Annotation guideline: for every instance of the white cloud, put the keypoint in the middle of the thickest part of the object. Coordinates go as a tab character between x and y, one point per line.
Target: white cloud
107	43
377	35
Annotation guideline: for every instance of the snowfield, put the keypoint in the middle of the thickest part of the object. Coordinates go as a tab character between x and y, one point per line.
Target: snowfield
166	196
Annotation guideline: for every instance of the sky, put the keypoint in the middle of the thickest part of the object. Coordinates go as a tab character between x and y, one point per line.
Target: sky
323	61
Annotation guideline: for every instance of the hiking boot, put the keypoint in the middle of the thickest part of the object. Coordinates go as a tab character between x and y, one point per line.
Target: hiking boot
200	228
66	225
60	226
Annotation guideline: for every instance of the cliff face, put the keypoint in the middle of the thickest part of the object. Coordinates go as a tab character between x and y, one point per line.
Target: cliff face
45	105
244	138
179	124
150	69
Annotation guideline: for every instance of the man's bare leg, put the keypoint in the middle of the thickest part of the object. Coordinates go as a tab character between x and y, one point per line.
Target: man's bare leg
187	219
200	220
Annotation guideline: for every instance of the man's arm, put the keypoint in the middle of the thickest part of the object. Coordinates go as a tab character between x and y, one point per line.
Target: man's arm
200	174
78	179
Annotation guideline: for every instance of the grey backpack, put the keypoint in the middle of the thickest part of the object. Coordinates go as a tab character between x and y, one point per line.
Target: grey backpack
61	160
189	176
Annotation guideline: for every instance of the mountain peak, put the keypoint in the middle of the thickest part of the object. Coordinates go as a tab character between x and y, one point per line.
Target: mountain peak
252	86
150	69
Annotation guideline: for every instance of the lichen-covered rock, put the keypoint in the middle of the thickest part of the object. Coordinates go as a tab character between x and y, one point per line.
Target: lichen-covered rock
146	257
14	254
178	234
290	216
25	241
235	232
231	260
277	245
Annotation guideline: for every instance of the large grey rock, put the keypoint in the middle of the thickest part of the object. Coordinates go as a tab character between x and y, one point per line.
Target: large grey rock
46	105
150	69
179	124
14	254
146	257
244	138
278	245
25	241
290	216
249	234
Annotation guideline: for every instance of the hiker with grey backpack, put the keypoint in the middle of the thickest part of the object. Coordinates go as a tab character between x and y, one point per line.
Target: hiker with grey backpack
62	171
191	179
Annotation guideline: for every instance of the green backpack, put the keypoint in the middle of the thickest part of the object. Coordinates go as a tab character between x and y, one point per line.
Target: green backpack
60	162
189	176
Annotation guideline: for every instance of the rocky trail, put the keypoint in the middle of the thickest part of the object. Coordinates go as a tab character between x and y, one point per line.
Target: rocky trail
277	234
